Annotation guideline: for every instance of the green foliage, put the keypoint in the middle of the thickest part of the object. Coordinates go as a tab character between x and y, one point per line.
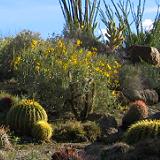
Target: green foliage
143	130
138	110
70	131
46	77
92	130
42	131
14	46
78	21
24	115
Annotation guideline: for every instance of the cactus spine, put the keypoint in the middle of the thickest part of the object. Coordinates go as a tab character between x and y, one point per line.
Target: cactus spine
42	131
22	116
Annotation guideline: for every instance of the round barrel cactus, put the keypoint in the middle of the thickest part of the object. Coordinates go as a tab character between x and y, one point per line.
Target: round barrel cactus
145	129
42	131
138	110
24	115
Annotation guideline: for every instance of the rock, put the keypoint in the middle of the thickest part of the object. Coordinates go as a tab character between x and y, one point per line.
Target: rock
148	54
149	96
155	116
95	150
105	121
111	136
116	151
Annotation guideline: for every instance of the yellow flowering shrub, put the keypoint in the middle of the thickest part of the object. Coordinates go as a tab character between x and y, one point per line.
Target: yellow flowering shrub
47	68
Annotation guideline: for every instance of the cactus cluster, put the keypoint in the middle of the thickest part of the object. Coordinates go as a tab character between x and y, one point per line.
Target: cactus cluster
138	110
114	35
42	131
142	130
22	116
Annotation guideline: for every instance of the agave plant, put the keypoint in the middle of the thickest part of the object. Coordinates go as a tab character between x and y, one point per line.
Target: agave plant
79	21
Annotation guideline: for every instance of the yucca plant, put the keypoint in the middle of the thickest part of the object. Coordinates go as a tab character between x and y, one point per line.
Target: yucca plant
114	35
78	20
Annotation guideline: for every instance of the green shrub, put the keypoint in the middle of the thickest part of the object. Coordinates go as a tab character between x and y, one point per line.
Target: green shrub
42	131
70	131
24	115
138	110
14	46
92	130
48	67
143	130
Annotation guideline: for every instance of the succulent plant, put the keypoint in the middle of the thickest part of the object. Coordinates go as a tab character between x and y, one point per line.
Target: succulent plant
82	100
42	131
114	35
24	115
142	130
138	110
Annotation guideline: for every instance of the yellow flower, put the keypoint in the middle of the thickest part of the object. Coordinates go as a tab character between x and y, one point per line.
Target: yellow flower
78	43
109	67
34	43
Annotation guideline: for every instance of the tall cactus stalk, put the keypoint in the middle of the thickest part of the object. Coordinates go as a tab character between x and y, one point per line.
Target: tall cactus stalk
81	101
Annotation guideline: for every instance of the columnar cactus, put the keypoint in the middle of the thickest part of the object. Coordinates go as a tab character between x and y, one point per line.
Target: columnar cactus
143	130
138	110
24	115
82	100
42	131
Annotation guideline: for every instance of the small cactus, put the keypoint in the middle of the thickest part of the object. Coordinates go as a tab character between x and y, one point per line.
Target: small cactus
42	131
24	115
138	110
142	130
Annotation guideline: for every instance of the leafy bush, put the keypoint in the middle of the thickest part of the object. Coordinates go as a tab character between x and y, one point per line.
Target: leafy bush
138	110
14	46
24	115
42	131
47	69
143	130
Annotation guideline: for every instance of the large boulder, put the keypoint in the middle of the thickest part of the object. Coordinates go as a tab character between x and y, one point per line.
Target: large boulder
136	53
149	96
